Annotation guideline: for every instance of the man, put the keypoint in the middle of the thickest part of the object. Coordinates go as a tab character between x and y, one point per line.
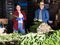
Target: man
42	14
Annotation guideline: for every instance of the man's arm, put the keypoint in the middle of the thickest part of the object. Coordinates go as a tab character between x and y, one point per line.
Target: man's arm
46	16
36	15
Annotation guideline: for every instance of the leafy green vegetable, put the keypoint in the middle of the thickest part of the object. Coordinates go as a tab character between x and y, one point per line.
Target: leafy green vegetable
51	38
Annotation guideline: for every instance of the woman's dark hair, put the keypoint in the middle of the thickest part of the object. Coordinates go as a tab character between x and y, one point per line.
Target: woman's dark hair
17	4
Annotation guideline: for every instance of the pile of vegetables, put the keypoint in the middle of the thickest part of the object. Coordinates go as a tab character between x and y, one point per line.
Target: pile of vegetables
9	37
32	39
34	27
5	39
51	38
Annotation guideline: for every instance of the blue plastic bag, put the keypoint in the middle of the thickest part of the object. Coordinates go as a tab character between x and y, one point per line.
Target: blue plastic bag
19	19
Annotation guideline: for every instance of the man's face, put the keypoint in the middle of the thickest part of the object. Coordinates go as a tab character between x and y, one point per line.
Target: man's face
41	6
18	8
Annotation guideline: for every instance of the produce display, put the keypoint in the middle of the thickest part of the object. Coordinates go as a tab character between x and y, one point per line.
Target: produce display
34	27
32	39
9	37
51	38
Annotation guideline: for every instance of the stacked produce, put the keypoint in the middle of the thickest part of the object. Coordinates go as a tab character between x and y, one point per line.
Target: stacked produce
9	37
51	38
43	28
32	39
34	27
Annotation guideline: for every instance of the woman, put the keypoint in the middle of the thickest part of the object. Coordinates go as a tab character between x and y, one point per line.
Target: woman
18	23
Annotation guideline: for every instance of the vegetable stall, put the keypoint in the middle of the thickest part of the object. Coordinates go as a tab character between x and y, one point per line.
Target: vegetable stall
51	38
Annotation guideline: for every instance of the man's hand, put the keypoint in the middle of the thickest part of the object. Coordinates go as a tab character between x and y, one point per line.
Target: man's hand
35	19
39	20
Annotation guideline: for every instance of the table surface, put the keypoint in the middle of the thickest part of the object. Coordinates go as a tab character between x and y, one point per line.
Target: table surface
4	21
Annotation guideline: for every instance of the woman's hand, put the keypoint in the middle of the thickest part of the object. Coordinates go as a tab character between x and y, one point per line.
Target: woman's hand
18	18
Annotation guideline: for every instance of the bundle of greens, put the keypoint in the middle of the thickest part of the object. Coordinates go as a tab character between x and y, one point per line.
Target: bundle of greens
9	37
32	39
34	27
51	38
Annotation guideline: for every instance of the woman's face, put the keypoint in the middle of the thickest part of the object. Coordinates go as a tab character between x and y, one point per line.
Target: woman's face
18	8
